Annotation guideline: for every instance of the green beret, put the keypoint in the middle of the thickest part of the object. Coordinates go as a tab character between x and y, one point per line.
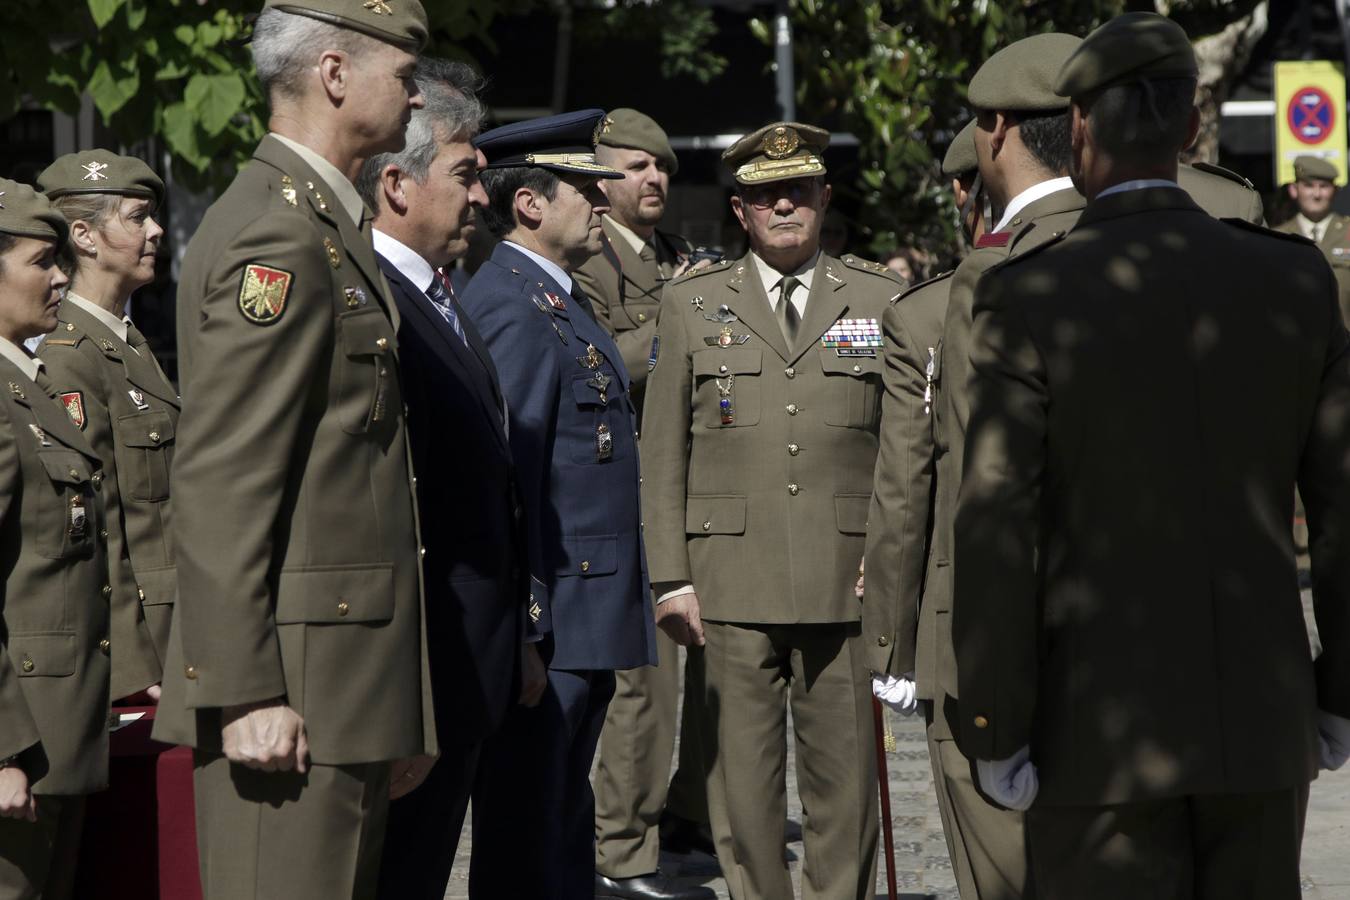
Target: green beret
961	157
637	131
1131	47
1021	76
25	212
777	152
1314	168
402	23
101	172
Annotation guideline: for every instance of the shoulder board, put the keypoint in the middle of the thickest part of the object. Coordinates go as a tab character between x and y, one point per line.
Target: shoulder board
866	265
915	288
718	266
1223	173
1295	236
1029	252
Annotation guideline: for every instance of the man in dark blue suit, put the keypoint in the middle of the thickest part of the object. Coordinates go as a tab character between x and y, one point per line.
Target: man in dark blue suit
572	435
471	515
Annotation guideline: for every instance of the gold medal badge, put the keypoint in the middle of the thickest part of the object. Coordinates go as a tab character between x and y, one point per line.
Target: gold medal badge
263	293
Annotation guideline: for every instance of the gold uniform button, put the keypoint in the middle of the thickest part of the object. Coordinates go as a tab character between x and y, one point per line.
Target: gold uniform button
883	641
722	369
707	526
585	565
28	665
981	722
793	489
190	673
792	409
794	449
343	608
97	479
74	473
154	437
103	533
105	645
140	592
790	372
69	327
857	368
107	590
421	551
382	343
642	317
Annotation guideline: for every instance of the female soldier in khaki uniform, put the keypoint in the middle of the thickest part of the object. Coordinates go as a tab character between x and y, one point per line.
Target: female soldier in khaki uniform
53	578
116	393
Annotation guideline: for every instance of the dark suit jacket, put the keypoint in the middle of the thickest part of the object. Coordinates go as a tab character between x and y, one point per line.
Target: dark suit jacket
588	571
1126	593
476	586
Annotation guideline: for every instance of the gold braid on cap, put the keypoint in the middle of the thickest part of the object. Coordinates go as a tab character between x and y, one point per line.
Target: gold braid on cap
584	161
767	170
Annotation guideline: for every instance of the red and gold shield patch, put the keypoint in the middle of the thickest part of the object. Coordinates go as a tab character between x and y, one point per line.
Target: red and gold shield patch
263	293
73	401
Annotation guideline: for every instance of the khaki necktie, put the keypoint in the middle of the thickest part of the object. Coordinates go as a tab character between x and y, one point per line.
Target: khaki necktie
788	319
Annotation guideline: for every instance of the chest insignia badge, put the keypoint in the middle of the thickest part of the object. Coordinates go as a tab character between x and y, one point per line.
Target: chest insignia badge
40	435
73	401
138	398
723	315
592	359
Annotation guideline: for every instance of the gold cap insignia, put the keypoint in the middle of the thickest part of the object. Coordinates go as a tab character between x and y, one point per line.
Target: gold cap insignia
780	143
602	127
378	7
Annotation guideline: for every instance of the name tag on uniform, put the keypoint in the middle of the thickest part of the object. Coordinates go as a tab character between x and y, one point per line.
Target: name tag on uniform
853	337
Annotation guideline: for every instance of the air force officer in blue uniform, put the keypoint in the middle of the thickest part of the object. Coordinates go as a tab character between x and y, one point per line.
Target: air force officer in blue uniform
572	434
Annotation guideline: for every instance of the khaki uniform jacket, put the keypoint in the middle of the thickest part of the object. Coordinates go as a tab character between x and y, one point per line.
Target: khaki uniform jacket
128	411
765	515
934	663
54	648
297	539
1335	246
900	520
625	292
1221	193
1126	593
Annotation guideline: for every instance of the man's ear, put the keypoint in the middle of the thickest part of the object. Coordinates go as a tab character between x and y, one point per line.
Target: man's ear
529	208
826	192
1293	190
999	134
1193	127
392	179
738	207
334	66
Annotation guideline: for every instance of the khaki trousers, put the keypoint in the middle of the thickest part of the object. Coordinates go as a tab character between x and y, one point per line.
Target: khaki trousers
633	768
285	836
37	859
1204	847
753	673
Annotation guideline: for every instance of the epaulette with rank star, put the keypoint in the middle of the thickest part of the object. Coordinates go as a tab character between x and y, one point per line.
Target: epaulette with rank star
914	288
872	268
1223	173
705	270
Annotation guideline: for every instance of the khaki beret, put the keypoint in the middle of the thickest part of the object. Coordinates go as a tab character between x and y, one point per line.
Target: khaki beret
778	152
25	212
1131	47
637	131
101	172
961	157
1314	168
402	23
1021	76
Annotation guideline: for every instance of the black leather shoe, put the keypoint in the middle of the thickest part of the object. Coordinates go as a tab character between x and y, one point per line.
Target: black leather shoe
681	836
647	887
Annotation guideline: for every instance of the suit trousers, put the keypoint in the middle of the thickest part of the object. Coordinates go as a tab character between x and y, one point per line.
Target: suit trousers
37	859
753	673
633	768
287	836
424	826
1200	847
533	809
985	842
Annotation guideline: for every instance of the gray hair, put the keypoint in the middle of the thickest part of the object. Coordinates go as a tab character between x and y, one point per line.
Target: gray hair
452	112
286	45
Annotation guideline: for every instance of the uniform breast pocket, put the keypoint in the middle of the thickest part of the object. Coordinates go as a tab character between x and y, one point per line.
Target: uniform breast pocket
600	434
67	510
727	389
144	443
852	389
365	376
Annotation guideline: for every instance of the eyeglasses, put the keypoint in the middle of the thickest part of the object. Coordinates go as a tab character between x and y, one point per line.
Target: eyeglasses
798	191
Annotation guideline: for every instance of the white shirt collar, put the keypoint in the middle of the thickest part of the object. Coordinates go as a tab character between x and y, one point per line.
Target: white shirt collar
771	278
631	237
1138	184
115	325
406	260
28	365
342	189
552	269
1030	196
1310	229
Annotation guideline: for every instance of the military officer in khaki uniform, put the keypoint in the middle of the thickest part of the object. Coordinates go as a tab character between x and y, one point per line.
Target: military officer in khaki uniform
297	661
115	392
759	440
54	663
1314	189
1110	656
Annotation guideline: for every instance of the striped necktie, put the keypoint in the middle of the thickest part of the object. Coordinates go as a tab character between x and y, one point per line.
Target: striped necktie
439	294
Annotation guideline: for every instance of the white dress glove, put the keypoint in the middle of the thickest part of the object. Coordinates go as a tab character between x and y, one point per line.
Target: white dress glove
1011	782
1333	734
897	693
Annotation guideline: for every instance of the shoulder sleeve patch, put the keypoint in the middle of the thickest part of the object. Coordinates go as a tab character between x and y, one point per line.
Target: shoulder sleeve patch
262	293
73	401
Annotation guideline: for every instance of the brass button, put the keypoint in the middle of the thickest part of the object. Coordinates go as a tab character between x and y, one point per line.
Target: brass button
154	437
981	722
74	473
105	645
793	489
140	592
857	368
792	409
97	479
70	326
107	590
790	372
585	565
794	449
190	673
707	526
642	317
414	479
382	343
722	368
882	641
343	608
103	533
28	665
421	551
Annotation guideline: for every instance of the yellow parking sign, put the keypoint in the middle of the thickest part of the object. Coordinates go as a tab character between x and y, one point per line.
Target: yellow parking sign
1309	115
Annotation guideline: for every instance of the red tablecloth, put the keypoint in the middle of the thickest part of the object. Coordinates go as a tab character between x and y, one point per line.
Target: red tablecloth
140	836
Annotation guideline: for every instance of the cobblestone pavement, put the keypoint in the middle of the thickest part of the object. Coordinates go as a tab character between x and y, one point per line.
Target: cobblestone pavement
922	868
